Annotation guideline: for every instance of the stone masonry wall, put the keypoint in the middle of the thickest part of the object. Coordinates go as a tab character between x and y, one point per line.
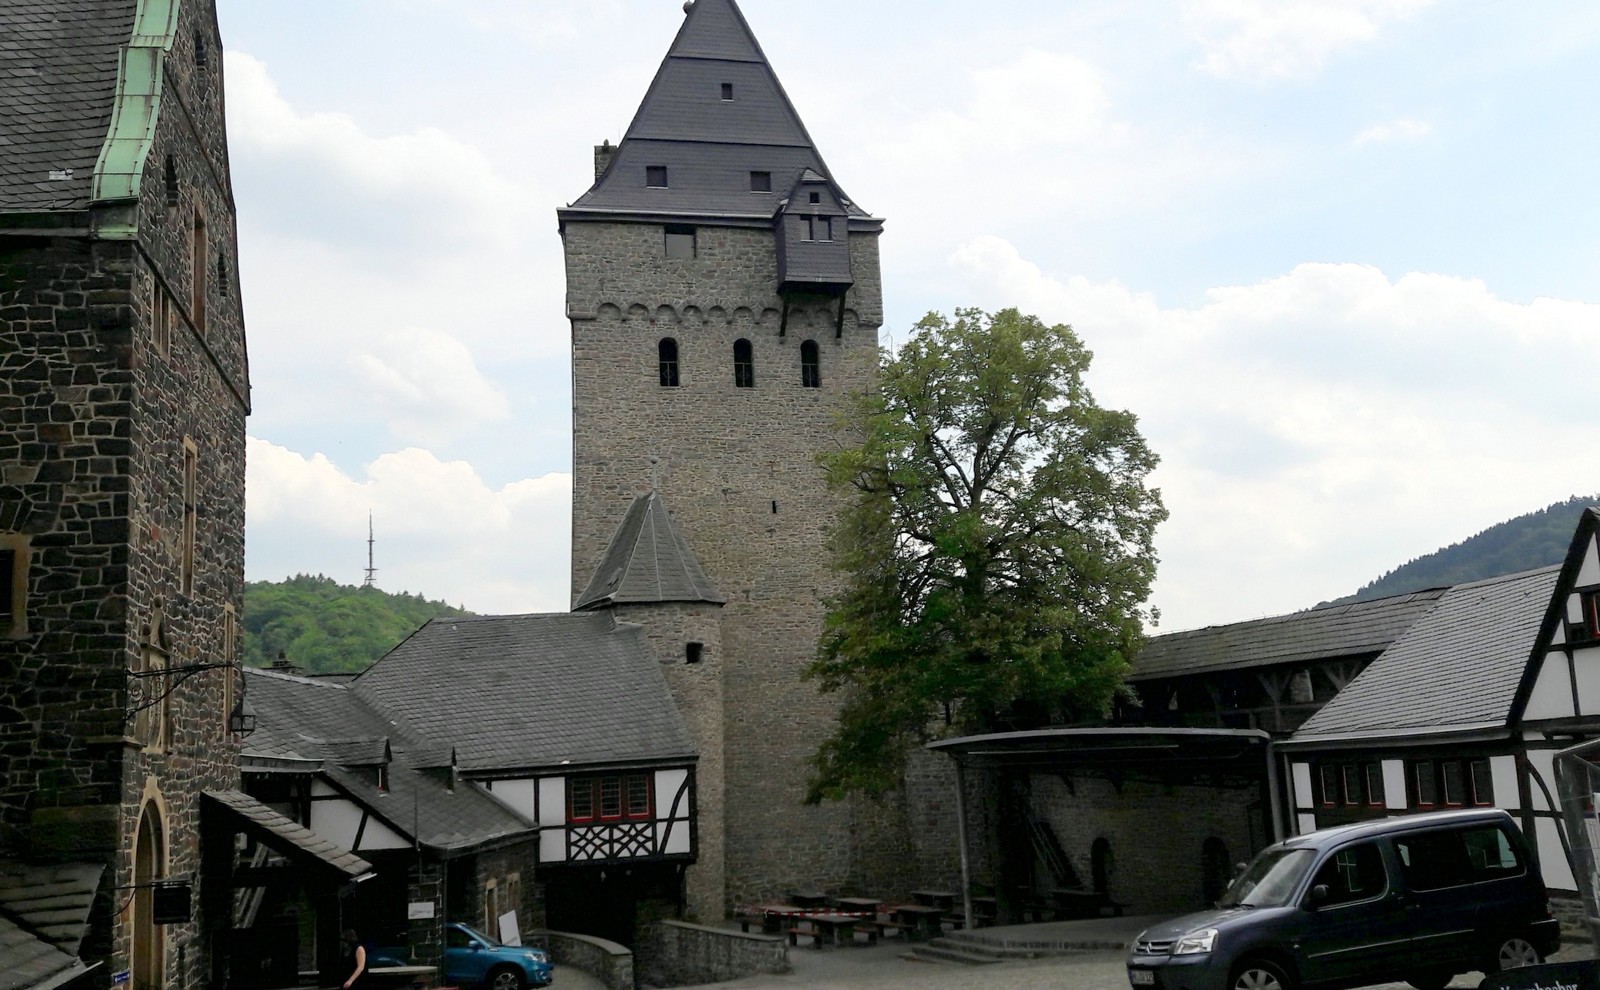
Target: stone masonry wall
697	689
1156	833
739	474
95	414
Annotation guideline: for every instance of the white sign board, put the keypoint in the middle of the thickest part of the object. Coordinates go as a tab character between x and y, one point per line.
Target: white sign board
508	929
419	910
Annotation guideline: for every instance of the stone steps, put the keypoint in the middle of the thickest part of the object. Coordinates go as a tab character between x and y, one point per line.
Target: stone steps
976	949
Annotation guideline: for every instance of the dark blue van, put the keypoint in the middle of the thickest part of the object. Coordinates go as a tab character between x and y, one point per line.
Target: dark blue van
1418	898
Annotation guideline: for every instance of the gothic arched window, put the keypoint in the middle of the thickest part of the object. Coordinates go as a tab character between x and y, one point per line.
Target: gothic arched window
810	365
668	350
744	366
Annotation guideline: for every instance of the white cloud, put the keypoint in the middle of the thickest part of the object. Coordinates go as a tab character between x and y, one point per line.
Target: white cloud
1404	129
441	530
1287	38
428	182
429	384
1324	426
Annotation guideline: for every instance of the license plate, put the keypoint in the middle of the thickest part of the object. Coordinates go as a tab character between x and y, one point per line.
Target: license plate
1142	977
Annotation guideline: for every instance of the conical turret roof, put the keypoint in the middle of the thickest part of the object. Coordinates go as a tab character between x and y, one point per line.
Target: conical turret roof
648	562
716	136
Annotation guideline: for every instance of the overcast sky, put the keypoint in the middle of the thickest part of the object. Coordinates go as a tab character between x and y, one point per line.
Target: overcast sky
1339	256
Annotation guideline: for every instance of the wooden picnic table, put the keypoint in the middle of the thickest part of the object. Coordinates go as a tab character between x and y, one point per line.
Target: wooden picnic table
866	905
841	927
924	919
945	900
808	898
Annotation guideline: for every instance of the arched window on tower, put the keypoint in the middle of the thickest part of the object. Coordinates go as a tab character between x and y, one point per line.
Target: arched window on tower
810	365
744	365
668	351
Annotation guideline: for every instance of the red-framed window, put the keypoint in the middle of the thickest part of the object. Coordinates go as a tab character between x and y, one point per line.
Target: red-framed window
1424	784
1375	792
611	798
1451	783
1591	613
1330	785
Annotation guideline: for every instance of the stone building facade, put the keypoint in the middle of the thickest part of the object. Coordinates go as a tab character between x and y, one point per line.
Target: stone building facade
725	300
123	395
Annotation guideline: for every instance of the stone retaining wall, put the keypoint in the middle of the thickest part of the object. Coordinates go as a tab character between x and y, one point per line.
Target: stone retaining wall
674	953
608	962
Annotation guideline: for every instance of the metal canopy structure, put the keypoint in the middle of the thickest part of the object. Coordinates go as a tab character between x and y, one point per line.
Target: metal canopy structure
1159	753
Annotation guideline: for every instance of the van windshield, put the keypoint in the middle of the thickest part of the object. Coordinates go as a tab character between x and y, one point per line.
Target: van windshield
1270	879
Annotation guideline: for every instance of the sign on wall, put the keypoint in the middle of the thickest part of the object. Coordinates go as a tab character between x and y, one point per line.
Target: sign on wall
419	911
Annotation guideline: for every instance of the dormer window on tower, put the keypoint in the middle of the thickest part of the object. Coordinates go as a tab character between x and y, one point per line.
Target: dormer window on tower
655	176
727	92
760	181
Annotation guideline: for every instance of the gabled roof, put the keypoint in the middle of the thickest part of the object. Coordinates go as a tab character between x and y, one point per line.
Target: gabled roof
1357	629
525	692
1580	567
58	86
1458	667
287	836
332	731
648	561
708	144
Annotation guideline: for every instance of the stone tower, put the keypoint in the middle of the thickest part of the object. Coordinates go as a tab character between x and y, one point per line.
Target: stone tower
123	395
725	303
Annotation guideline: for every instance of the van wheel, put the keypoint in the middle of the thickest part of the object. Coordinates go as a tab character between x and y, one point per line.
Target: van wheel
1514	952
1431	980
1260	974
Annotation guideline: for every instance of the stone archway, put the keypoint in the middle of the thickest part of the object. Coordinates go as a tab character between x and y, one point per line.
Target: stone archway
149	955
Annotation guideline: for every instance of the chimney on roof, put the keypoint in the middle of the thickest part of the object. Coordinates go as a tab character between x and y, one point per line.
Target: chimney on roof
602	158
282	664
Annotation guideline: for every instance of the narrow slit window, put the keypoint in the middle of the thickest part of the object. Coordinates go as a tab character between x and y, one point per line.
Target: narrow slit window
668	355
170	180
727	92
744	366
222	277
202	57
810	365
655	176
1591	613
198	270
191	457
694	652
8	595
760	181
161	320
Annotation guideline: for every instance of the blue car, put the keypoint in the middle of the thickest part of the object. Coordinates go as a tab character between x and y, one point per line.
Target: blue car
472	958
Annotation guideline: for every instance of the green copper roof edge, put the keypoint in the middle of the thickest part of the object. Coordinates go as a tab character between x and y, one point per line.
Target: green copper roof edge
120	167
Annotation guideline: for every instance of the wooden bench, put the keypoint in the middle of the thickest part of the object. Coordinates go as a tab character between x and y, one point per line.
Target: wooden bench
796	934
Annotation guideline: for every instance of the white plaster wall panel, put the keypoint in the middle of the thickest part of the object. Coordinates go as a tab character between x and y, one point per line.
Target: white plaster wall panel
668	783
552	802
1394	785
1574	609
320	788
1302	785
677	840
518	794
1306	823
1503	773
1552	692
336	821
1559	637
553	846
1552	856
1589	573
377	835
1586	664
1542	763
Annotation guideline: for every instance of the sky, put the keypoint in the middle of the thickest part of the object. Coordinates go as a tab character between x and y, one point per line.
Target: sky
1339	256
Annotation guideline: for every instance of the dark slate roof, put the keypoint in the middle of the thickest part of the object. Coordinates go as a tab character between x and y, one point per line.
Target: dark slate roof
1457	667
1331	632
28	962
648	561
708	145
342	736
287	836
52	901
58	81
531	691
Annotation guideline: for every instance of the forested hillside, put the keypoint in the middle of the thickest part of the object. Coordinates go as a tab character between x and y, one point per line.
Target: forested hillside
324	627
1537	539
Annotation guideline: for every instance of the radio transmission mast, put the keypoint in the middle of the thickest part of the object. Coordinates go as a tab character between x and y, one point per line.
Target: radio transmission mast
372	572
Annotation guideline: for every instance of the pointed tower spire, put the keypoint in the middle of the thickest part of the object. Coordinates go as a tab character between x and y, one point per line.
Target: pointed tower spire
715	137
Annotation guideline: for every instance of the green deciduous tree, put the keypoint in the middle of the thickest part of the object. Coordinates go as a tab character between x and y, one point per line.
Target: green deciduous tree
997	546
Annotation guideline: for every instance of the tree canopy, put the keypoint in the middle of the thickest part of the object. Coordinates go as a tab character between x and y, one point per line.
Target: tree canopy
997	545
324	627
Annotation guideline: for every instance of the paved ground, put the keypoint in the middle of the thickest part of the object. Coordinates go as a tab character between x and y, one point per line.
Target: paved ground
881	967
